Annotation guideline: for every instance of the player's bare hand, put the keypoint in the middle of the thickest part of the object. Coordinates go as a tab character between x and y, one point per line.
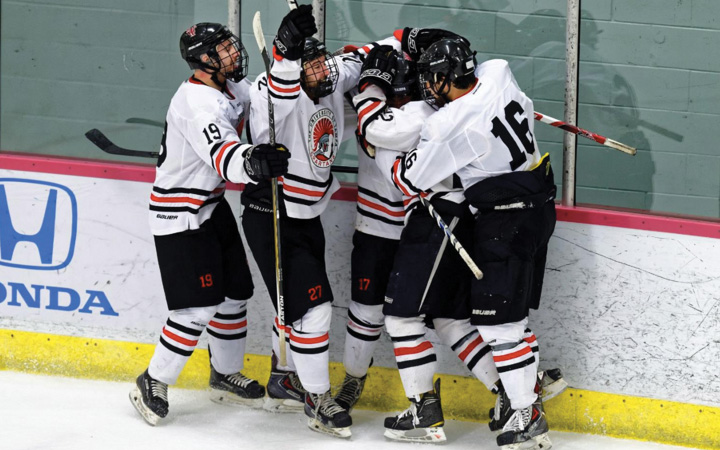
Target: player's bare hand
265	161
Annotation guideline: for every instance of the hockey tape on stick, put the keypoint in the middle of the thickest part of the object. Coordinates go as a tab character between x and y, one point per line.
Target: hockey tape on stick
260	38
103	143
585	133
453	240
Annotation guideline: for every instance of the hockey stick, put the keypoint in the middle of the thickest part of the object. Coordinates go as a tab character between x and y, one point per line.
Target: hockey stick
140	120
103	143
260	38
585	133
98	138
453	240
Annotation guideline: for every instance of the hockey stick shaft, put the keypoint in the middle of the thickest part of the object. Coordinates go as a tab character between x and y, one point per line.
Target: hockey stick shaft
260	38
585	133
453	240
101	141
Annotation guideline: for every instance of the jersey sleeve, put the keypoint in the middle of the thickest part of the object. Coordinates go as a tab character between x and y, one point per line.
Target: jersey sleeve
442	151
351	63
216	142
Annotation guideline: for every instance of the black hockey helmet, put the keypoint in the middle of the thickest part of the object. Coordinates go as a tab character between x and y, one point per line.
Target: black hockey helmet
405	81
443	62
318	63
205	38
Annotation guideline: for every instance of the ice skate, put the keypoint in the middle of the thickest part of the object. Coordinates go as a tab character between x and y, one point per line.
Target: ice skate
326	416
285	392
235	389
422	422
552	383
526	429
350	391
150	398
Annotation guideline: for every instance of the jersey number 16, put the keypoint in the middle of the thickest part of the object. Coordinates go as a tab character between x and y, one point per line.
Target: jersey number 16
522	132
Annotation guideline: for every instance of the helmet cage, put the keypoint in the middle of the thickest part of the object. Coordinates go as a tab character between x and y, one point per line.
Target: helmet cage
325	74
207	38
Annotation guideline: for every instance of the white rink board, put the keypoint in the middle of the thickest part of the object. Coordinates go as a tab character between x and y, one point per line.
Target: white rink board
624	311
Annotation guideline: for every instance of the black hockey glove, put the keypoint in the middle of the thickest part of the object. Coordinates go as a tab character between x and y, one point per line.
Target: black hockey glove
416	40
294	28
265	161
378	69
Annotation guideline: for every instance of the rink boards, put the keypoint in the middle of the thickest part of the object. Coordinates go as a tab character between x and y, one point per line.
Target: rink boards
630	306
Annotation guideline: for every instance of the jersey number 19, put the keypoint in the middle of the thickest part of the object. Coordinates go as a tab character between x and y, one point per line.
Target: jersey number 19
522	132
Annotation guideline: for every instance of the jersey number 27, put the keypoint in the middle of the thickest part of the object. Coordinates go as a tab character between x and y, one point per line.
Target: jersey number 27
521	130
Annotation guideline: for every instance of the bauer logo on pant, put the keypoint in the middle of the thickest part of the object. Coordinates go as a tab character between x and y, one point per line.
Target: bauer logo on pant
322	139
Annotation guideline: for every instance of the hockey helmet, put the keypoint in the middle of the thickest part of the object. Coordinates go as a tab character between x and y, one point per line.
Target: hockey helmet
405	81
441	64
320	75
205	38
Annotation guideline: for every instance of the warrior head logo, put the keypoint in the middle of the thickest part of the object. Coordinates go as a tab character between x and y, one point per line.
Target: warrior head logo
323	141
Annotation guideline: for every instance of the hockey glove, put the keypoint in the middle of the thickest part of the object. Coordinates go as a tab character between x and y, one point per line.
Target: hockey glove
366	147
294	28
378	69
416	40
265	161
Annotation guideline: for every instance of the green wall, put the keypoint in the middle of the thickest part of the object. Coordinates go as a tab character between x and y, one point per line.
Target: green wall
649	77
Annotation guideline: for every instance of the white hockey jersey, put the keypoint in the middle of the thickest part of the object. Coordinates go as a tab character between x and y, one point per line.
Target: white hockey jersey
394	132
200	150
485	133
311	131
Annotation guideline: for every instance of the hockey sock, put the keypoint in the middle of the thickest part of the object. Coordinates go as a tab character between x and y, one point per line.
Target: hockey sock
514	360
470	347
531	339
363	332
310	345
414	354
276	347
178	340
227	332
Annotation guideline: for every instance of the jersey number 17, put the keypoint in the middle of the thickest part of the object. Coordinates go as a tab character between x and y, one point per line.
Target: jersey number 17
521	130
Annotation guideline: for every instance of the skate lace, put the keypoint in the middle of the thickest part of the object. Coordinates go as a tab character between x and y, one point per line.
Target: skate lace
327	405
519	420
239	379
411	411
159	390
295	382
499	403
349	390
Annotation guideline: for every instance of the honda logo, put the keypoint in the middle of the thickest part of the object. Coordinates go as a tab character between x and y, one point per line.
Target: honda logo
42	237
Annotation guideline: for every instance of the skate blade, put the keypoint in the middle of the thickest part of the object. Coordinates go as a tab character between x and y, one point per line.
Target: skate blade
278	405
318	426
228	398
434	435
146	413
539	442
553	389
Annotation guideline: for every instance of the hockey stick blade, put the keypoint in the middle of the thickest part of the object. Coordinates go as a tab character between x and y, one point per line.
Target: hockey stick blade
103	143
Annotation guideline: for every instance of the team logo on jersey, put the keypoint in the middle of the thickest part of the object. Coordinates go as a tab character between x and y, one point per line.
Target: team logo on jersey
322	138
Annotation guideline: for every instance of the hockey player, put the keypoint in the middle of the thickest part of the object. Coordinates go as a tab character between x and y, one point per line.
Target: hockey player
394	128
306	85
202	261
482	135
